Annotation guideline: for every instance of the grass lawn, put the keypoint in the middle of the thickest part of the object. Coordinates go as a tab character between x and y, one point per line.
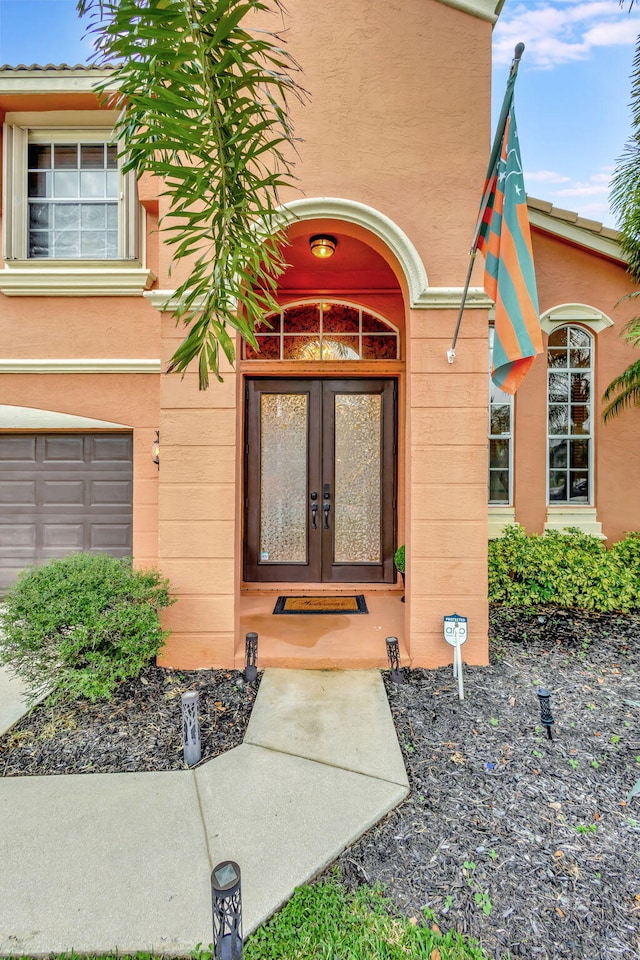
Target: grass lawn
326	922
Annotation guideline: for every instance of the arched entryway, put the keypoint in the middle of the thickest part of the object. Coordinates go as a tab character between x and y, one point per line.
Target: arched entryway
321	406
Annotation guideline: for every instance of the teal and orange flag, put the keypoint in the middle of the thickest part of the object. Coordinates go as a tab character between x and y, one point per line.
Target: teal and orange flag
503	237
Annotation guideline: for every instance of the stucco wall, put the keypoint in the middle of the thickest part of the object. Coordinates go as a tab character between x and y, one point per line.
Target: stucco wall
568	274
396	120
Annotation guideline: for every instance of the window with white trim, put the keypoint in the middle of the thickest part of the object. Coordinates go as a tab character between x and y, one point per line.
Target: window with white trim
500	440
72	191
570	415
65	197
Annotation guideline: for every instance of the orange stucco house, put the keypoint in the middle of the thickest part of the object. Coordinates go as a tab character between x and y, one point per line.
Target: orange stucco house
349	433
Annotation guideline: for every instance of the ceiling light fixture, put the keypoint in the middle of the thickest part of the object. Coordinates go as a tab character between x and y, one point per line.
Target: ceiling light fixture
323	246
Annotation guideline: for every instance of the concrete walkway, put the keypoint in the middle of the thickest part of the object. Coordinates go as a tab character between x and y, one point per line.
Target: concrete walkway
12	699
105	862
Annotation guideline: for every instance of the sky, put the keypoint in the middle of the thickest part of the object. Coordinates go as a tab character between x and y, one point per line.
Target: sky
572	92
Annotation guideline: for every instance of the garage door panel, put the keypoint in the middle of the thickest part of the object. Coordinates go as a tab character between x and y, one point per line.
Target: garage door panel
17	537
109	492
69	449
63	493
110	449
67	492
14	449
19	492
110	536
66	536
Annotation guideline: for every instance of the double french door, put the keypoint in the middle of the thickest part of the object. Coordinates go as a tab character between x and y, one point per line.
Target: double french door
320	469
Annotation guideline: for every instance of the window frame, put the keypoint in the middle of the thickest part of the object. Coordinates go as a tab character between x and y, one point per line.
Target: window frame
508	401
47	143
126	275
590	437
19	130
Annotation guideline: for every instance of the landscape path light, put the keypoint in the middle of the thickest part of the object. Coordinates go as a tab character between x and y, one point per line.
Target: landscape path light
226	902
190	728
393	653
251	657
545	710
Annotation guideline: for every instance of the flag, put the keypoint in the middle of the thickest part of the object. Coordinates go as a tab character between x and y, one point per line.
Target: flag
504	239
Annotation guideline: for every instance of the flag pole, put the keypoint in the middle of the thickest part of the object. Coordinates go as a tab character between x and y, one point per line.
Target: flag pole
493	160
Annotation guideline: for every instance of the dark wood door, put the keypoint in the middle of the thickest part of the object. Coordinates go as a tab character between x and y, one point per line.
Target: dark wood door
320	468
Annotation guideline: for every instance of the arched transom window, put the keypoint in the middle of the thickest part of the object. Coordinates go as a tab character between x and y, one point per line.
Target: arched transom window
570	415
324	330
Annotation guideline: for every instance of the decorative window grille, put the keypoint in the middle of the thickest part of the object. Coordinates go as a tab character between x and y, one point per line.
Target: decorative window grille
324	331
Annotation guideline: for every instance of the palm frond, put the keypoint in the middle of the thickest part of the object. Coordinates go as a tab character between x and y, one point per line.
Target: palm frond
625	185
203	101
627	388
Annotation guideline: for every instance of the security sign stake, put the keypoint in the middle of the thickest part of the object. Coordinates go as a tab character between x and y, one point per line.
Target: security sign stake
455	633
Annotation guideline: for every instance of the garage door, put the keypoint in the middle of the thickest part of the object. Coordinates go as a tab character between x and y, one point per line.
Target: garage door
63	493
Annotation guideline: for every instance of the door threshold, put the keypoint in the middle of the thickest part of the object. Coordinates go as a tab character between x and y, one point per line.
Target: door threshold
304	589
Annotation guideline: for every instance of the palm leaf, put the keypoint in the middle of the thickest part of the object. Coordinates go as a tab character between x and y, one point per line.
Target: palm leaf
625	391
203	101
625	185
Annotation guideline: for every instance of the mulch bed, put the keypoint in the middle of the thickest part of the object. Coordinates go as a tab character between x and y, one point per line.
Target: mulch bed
523	842
140	729
527	844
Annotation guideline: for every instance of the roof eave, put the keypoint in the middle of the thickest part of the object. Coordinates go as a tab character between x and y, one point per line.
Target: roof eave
569	226
28	80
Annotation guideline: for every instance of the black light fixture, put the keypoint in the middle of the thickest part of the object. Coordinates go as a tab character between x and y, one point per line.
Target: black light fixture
155	450
190	728
323	245
251	656
393	653
226	901
545	710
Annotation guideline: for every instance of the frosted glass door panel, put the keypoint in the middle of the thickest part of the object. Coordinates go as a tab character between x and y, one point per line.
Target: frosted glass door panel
284	421
358	478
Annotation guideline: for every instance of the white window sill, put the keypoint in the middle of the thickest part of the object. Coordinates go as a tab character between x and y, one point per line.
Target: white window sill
74	278
500	516
584	518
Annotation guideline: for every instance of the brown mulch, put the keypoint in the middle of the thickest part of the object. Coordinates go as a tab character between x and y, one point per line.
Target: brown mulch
527	844
140	729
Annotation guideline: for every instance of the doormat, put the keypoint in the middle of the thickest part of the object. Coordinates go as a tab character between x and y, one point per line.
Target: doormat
348	605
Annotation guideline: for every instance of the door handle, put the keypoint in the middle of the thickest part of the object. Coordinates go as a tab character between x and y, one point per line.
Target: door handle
326	506
314	510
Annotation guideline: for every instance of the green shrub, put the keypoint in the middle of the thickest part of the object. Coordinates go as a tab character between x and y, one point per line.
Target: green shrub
573	570
399	559
80	626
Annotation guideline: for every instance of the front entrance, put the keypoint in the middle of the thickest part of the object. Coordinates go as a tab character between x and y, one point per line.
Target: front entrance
320	468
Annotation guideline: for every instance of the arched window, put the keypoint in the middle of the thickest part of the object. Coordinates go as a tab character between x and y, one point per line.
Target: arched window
570	415
324	330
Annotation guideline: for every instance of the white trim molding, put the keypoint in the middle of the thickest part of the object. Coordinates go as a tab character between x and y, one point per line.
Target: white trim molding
97	365
484	9
31	418
450	298
500	517
334	208
67	278
576	233
52	79
588	316
435	298
165	300
584	518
